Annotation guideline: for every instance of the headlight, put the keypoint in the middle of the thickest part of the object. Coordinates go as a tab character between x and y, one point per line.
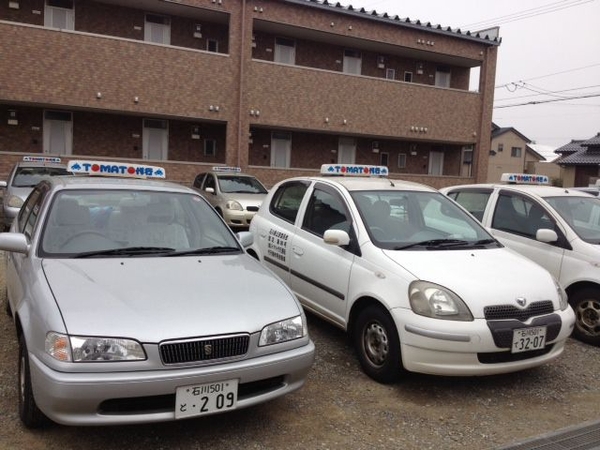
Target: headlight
286	330
431	300
562	296
15	202
232	204
81	348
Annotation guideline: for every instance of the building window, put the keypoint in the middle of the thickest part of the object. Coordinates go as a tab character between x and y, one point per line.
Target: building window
210	147
157	29
408	77
390	74
285	51
515	152
212	45
352	62
59	14
401	160
384	159
500	147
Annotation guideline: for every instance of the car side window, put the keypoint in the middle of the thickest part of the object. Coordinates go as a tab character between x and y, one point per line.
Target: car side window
210	182
286	201
29	212
520	215
324	211
473	201
198	180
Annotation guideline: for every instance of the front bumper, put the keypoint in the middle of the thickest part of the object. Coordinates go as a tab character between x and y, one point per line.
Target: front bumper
445	347
111	398
236	218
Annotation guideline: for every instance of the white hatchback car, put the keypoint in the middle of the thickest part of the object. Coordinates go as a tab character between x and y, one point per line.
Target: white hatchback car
134	302
559	228
417	282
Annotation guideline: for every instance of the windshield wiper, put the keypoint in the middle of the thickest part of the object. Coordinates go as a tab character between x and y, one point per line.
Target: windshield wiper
127	251
483	242
203	251
435	243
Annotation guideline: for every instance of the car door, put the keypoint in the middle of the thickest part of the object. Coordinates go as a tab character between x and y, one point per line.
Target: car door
319	273
276	227
515	220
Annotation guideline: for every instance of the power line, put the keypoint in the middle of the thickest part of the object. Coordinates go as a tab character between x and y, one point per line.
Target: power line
548	75
546	92
528	13
547	101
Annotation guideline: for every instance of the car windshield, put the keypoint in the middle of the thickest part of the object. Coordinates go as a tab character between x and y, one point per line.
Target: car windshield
581	213
414	220
240	184
109	223
30	176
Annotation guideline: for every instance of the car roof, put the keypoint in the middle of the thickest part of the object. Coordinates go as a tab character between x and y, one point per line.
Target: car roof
351	183
533	189
101	182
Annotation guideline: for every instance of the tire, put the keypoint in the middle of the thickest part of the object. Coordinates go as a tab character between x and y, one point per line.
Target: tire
7	304
378	345
29	413
586	304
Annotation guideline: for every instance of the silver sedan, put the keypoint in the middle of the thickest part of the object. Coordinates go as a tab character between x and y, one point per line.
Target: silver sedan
134	302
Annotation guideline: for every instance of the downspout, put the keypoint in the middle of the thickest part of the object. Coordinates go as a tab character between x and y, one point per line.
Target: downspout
241	85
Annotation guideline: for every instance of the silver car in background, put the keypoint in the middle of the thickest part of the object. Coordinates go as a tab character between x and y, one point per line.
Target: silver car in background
21	180
133	303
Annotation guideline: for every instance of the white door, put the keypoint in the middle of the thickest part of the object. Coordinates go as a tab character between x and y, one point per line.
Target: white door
59	14
281	149
436	163
285	51
442	77
346	151
157	29
352	62
155	139
58	132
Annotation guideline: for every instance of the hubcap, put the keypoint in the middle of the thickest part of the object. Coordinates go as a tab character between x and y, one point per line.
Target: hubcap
376	343
588	317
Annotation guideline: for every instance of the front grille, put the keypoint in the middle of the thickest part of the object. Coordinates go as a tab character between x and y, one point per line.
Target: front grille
503	312
204	349
252	208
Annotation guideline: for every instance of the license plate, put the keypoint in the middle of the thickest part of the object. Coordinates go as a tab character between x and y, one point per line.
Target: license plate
527	339
200	399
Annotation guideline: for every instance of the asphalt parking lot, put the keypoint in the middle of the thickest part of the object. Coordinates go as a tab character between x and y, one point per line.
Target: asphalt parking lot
341	408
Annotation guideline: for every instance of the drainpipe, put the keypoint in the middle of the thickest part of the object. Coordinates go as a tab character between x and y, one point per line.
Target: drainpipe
241	85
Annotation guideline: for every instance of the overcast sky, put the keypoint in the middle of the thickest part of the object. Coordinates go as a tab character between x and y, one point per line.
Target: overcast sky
549	45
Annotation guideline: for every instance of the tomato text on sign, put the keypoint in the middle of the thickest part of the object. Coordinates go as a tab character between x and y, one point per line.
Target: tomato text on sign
523	178
354	170
115	169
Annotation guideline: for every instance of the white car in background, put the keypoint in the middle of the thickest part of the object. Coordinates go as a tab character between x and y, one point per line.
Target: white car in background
558	228
133	302
417	282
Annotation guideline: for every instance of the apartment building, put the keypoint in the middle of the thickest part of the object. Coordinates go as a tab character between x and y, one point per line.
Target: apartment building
277	87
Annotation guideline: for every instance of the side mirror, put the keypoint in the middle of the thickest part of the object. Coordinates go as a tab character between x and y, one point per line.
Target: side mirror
246	238
210	190
546	235
336	237
14	242
3	184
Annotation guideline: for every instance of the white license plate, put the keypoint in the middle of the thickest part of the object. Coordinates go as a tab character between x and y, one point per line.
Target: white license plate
527	339
200	399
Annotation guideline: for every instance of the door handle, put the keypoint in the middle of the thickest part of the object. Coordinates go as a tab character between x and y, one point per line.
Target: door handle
297	250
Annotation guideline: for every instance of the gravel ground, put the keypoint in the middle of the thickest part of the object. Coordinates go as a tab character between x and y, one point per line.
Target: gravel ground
341	408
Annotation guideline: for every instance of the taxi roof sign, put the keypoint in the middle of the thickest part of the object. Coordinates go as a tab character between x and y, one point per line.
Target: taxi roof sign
226	169
42	159
115	169
356	170
524	178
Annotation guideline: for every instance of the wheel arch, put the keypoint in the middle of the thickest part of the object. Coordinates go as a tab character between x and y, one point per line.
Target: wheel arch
578	286
359	305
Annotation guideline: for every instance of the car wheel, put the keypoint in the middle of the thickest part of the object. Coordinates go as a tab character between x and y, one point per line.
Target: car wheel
30	414
586	304
378	345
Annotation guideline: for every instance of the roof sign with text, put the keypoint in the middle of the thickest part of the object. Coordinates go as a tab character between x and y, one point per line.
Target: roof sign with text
115	169
524	178
356	170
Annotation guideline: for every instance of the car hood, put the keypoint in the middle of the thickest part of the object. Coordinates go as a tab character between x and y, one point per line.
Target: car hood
152	299
481	277
245	199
